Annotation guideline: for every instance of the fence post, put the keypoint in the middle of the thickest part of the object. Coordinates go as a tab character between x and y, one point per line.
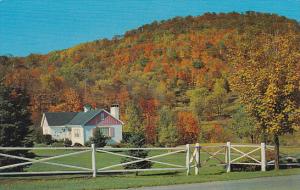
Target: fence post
263	157
94	168
187	161
228	146
226	152
197	159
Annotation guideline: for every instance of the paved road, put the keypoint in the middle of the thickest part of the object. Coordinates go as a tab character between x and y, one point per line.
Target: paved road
266	183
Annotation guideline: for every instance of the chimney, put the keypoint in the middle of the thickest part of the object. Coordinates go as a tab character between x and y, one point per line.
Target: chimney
114	111
87	108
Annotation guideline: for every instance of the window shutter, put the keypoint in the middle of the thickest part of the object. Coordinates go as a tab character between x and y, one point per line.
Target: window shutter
111	132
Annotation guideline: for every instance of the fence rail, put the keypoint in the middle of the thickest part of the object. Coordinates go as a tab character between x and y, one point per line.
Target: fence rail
195	157
93	169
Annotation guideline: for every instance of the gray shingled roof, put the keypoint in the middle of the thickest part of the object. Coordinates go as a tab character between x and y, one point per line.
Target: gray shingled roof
83	117
59	118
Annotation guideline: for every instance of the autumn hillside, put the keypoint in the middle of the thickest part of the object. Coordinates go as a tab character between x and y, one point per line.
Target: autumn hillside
165	75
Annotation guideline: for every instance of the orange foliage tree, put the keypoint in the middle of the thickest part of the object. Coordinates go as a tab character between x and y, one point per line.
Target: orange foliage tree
216	134
188	127
70	101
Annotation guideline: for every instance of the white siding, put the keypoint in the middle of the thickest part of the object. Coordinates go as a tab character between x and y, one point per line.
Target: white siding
59	132
80	138
63	132
45	126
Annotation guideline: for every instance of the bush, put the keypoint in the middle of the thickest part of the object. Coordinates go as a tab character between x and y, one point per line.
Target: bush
99	139
77	144
87	143
119	145
126	136
244	167
67	143
47	139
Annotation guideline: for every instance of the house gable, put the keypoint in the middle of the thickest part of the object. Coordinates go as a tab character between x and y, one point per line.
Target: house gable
104	119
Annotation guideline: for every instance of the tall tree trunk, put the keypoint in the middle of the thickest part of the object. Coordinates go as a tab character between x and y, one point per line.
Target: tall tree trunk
276	141
252	139
264	136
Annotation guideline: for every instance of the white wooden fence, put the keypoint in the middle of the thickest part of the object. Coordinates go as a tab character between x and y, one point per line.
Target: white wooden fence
79	150
224	155
93	150
228	151
246	154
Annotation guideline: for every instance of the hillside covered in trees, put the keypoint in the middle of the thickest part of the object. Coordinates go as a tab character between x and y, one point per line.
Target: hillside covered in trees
171	78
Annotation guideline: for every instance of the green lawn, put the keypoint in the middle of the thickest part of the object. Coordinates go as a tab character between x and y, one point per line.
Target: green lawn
102	160
211	171
126	181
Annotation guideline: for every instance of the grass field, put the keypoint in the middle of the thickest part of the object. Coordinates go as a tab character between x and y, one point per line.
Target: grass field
211	171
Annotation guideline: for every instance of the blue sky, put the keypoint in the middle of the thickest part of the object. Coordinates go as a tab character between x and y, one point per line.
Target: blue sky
40	26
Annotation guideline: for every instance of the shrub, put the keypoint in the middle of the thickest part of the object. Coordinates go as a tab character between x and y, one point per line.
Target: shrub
126	136
244	167
77	144
119	145
67	143
99	139
87	143
47	139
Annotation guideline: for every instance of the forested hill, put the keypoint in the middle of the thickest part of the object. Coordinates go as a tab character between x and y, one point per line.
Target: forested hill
165	65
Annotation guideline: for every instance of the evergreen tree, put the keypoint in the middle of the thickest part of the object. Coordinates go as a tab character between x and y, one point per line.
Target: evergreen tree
14	124
137	140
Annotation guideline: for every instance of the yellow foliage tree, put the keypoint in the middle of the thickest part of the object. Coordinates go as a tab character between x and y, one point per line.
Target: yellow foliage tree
266	74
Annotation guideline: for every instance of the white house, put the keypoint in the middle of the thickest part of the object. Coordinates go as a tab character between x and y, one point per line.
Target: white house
80	126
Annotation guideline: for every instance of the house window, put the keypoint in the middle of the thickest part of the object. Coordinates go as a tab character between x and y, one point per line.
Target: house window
104	131
111	132
102	116
76	132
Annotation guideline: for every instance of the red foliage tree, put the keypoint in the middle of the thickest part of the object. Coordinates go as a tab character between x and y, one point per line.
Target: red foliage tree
149	108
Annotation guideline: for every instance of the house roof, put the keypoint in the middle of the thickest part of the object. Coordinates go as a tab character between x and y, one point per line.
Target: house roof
72	118
83	117
59	118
